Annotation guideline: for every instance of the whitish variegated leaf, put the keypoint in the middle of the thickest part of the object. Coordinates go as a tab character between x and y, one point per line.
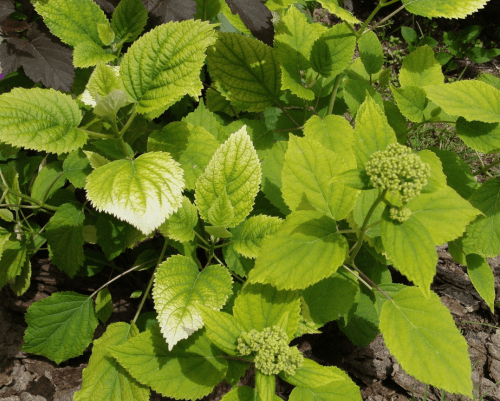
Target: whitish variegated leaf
437	353
179	286
41	119
233	175
164	65
142	192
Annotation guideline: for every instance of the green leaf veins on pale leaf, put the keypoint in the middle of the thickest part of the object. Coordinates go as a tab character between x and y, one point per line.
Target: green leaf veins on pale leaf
334	7
41	119
420	68
189	371
179	286
372	132
472	100
249	235
371	53
12	261
74	21
260	306
103	305
444	8
61	326
246	70
76	168
192	146
306	249
437	353
311	375
164	65
180	226
89	54
483	137
142	192
481	275
484	233
307	175
293	43
411	101
129	18
104	379
104	80
65	238
233	174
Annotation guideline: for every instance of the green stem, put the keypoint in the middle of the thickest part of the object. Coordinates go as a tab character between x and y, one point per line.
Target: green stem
128	123
201	238
120	44
30	199
46	195
224	244
211	252
358	278
150	284
90	123
486	168
97	135
391	14
334	93
351	28
368	20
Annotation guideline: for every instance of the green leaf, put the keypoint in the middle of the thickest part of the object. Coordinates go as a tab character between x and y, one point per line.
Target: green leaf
104	80
106	34
482	277
207	9
473	100
21	283
129	19
180	226
164	65
311	375
485	231
271	176
244	393
437	353
246	70
372	132
334	133
48	180
142	192
76	168
483	137
328	299
344	390
114	235
179	286
95	159
437	179
332	53
305	250
192	146
357	179
265	386
420	68
204	118
61	326
103	305
293	42
307	176
411	101
237	263
11	177
190	371
249	235
397	121
218	232
232	175
337	10
89	54
41	119
12	261
73	21
444	8
222	328
357	91
490	79
260	306
104	378
262	136
109	105
371	53
65	238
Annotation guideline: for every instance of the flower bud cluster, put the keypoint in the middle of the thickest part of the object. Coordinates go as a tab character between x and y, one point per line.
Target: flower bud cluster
398	170
400	214
272	353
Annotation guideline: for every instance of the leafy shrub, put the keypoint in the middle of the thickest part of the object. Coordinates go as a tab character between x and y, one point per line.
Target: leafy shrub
265	212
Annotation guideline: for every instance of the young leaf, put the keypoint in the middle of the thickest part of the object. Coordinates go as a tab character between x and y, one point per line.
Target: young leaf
74	21
249	235
332	53
265	386
41	119
76	168
163	11
192	146
89	54
371	53
307	179
483	137
293	44
218	232
334	7
104	378
190	371
12	261
222	328
114	235
179	286
180	226
482	277
142	192
473	100
444	8
420	68
95	159
204	118
109	105
305	250
129	19
65	238
61	326
103	305
411	101
106	34
233	174
437	353
311	374
104	80
164	65
247	71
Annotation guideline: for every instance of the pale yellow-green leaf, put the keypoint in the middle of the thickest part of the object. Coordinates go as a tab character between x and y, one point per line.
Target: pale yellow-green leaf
335	9
180	226
249	235
444	8
88	54
420	68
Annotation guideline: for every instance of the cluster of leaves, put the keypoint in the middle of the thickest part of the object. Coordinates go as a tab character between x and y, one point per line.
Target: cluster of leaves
261	212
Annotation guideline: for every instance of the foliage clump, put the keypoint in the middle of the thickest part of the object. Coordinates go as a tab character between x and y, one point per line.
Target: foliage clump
272	353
